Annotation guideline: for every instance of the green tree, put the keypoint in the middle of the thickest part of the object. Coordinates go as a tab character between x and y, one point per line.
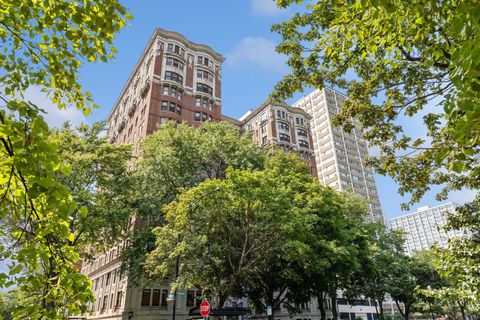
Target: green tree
399	60
338	245
44	44
98	181
410	278
178	157
6	305
383	255
224	230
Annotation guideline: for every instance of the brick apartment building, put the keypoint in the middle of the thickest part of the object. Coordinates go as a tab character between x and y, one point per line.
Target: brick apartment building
176	79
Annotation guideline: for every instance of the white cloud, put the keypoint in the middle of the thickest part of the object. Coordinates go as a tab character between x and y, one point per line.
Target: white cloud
462	196
266	7
54	117
258	53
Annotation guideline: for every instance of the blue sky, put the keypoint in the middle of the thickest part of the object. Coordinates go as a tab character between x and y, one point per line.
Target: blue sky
237	29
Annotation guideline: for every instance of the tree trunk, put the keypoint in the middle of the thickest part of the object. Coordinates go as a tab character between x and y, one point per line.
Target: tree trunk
376	308
321	304
270	303
404	313
462	309
333	296
431	309
380	306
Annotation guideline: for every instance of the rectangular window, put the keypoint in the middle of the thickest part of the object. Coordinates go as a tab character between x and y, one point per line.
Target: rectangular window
301	132
164	105
179	110
174	92
146	297
166	91
303	144
164	297
284	137
202	74
198	101
172	107
105	302
283	125
156	298
279	114
172	76
204	88
204	117
118	303
264	140
197	116
190	298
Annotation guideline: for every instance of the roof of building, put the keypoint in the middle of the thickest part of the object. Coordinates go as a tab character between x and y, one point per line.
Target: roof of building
423	209
168	34
231	120
252	113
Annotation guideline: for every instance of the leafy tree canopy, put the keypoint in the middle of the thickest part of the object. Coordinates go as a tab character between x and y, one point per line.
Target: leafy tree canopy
178	157
410	59
397	61
224	232
44	43
99	181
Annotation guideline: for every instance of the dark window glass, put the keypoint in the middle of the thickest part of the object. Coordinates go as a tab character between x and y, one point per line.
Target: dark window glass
204	88
198	298
303	144
179	110
119	299
284	137
173	77
172	107
156	298
279	114
283	125
164	297
197	116
105	301
146	297
164	105
190	298
302	132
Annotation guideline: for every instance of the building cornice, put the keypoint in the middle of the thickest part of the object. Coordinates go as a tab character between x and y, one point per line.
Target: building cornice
273	103
159	32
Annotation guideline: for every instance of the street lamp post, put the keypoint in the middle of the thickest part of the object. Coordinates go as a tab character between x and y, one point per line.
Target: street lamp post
174	305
